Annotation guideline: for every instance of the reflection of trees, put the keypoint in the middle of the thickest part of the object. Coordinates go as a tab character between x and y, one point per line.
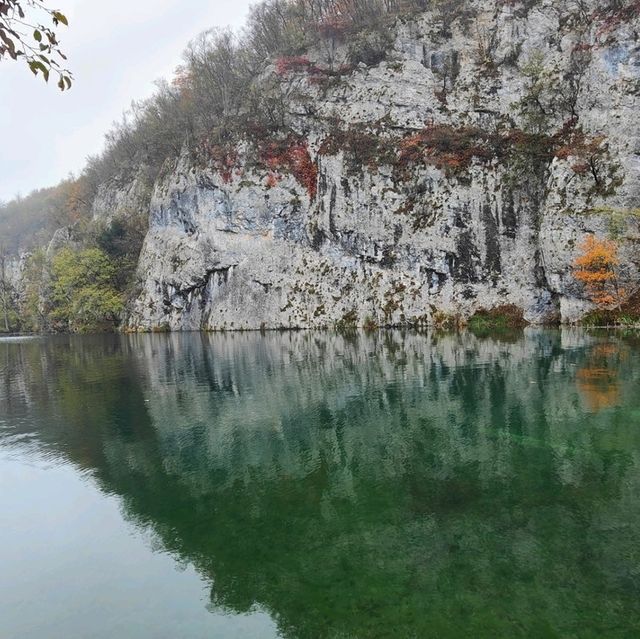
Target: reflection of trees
394	484
597	378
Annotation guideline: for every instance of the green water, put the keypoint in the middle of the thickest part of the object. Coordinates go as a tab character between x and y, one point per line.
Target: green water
317	485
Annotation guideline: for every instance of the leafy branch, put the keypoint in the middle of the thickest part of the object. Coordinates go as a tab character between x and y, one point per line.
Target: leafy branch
25	36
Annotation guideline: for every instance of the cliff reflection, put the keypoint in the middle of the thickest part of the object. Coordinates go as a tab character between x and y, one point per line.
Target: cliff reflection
394	484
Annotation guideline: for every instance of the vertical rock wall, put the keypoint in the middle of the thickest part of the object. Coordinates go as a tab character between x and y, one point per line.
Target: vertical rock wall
525	122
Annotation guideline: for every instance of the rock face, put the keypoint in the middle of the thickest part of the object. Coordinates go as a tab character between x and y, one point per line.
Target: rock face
460	173
120	198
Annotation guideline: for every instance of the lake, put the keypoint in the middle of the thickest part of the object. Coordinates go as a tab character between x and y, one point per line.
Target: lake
313	484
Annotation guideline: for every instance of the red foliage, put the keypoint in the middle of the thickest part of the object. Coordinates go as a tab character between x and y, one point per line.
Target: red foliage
580	168
580	145
445	147
586	150
335	26
224	160
292	155
536	146
613	17
362	146
582	46
303	167
293	64
272	180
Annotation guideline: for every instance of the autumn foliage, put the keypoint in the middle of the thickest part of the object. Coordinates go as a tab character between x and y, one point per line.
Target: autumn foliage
291	156
597	379
613	14
223	158
597	269
293	64
445	147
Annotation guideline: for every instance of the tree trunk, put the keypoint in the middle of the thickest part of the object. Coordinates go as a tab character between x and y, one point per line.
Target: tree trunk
4	292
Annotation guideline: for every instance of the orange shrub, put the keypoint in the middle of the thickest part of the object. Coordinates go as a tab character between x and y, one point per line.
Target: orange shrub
597	269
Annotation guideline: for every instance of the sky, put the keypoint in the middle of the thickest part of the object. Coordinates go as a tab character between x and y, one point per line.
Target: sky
116	50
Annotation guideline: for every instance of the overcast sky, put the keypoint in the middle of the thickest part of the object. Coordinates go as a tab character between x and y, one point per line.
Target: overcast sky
116	50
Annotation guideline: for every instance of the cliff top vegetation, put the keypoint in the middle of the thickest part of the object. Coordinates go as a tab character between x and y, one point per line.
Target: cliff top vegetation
215	98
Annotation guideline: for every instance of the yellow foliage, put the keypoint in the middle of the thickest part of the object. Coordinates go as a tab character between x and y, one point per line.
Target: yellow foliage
596	267
599	387
598	380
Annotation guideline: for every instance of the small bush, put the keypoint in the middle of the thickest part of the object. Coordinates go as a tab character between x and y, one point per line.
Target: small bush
369	324
507	316
590	157
349	321
292	64
442	321
448	148
362	145
597	267
627	315
291	155
222	158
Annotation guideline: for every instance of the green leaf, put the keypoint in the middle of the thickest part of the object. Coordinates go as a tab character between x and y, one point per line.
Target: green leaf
36	65
11	48
60	17
37	35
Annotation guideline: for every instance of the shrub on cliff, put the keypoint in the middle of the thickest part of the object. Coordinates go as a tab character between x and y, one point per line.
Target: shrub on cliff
597	267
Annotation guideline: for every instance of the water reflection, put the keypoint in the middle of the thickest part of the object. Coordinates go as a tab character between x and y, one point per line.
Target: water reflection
393	484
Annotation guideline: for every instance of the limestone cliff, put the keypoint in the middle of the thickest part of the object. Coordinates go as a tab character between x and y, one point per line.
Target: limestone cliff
459	173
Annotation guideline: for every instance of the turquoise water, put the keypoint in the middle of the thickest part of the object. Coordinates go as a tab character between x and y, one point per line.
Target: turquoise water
312	485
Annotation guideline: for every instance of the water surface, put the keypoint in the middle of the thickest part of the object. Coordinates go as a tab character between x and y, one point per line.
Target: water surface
320	485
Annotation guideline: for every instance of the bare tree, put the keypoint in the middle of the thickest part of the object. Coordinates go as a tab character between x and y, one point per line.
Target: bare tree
6	291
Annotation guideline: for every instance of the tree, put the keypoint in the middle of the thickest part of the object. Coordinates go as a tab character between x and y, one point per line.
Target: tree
597	267
6	295
83	293
24	35
33	285
121	240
